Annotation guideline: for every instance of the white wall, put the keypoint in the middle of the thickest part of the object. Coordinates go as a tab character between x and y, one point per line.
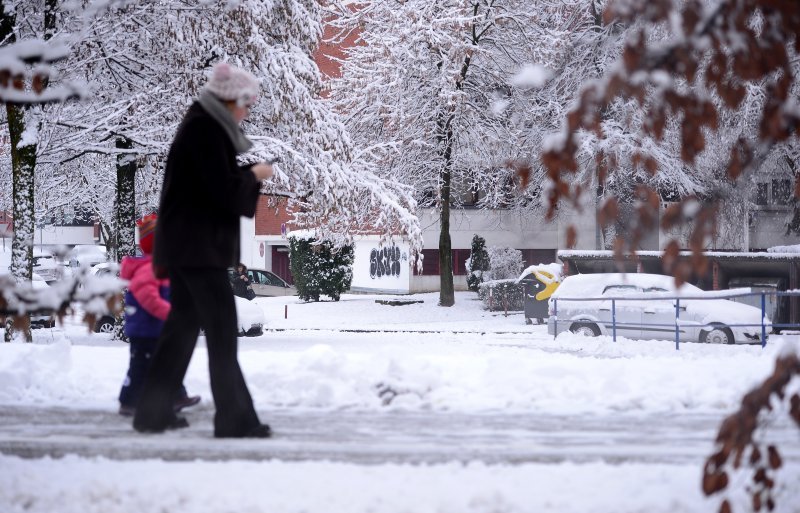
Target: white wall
370	256
248	248
505	228
68	235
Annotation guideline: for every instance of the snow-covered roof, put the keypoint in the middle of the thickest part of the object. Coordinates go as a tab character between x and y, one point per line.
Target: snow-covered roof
755	255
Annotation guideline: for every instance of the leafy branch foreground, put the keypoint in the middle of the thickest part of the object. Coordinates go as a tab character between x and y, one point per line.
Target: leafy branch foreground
738	434
97	295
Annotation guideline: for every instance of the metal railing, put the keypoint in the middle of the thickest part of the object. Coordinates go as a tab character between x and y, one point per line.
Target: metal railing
765	327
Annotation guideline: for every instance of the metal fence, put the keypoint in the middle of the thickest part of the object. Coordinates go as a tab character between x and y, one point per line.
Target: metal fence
765	328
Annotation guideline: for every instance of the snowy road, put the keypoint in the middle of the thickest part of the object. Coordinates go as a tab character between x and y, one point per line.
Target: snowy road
369	437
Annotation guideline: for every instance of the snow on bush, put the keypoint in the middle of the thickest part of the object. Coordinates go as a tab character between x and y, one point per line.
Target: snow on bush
502	295
504	263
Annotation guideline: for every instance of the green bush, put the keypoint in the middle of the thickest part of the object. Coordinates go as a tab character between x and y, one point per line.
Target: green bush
477	264
319	269
502	295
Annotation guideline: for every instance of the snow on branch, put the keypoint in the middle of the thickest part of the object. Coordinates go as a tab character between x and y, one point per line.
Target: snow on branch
97	295
685	86
25	73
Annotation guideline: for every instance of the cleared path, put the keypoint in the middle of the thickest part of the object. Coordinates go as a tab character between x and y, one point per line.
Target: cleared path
370	437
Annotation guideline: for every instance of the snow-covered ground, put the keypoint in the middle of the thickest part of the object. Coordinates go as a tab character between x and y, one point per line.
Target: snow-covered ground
371	361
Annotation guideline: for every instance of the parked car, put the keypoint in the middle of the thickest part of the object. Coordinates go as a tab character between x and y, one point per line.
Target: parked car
41	321
267	283
713	320
87	254
105	323
46	266
250	317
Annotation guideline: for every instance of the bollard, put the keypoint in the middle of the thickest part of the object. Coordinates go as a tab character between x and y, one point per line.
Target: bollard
285	311
763	326
677	329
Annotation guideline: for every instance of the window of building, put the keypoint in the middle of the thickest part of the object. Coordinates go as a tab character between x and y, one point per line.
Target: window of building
762	194
460	257
781	191
430	262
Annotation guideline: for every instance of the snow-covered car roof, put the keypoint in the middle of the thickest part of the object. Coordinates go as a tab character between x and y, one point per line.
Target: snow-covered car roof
588	285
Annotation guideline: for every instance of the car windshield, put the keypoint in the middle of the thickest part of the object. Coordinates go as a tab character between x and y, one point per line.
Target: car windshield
620	290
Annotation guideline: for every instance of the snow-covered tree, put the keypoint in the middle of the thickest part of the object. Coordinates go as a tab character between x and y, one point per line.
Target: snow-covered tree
428	73
687	85
715	52
149	60
504	263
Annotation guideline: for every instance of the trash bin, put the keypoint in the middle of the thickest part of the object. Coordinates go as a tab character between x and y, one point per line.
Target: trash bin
539	285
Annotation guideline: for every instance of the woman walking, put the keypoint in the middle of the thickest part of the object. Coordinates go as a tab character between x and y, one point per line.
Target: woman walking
197	240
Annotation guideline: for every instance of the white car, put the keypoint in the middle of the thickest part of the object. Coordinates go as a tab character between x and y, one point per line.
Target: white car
41	321
88	255
46	266
645	316
250	318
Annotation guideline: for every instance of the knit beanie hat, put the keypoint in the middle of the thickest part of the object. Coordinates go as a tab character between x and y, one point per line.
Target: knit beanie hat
229	83
147	227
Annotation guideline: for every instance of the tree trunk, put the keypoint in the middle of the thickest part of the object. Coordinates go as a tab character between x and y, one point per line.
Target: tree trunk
125	204
23	164
446	292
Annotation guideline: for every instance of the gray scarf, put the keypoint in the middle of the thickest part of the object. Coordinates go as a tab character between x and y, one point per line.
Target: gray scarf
217	110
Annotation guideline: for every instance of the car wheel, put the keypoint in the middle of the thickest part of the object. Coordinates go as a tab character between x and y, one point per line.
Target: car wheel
585	328
719	334
528	320
104	325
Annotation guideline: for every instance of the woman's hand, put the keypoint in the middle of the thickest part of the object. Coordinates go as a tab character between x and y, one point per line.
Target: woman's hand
262	170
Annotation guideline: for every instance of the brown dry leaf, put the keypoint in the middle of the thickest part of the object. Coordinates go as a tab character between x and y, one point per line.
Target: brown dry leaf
90	320
670	257
651	166
755	455
794	408
37	84
756	501
691	15
5	76
22	322
572	236
671	216
523	172
775	460
725	507
18	82
608	212
714	482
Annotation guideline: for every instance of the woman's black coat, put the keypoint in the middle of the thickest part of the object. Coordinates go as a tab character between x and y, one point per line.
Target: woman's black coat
205	192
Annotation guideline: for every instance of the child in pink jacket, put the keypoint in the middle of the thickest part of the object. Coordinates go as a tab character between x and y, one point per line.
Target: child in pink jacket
146	308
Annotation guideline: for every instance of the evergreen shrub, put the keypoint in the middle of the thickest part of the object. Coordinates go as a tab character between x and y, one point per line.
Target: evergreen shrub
318	268
477	263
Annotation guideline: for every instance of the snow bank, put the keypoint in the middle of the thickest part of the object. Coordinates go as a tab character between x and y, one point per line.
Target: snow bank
455	372
75	485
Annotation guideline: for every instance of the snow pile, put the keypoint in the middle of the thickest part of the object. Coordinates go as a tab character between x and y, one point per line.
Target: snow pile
795	248
71	485
446	372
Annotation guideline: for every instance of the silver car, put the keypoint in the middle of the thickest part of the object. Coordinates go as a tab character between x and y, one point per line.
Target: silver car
266	283
645	315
